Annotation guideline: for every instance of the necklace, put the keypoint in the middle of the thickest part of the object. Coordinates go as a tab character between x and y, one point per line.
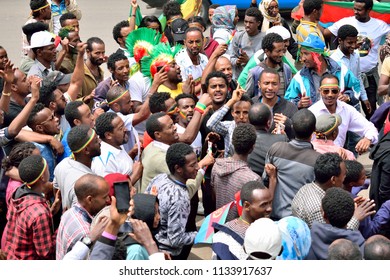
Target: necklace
244	221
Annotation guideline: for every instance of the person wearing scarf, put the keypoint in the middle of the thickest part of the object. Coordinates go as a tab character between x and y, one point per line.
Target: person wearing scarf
270	11
224	23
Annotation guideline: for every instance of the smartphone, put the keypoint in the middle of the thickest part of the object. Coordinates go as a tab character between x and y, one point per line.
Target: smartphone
159	68
126	227
122	195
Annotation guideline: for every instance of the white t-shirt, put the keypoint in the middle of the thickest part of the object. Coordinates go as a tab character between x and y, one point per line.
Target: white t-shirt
112	160
187	67
197	144
371	32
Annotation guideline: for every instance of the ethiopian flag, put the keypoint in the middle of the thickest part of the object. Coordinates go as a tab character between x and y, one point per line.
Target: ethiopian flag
335	10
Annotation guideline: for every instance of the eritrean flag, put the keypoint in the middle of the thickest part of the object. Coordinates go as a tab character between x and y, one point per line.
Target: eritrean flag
206	231
334	11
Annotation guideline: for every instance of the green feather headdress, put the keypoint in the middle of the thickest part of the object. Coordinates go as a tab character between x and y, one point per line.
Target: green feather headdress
141	41
161	55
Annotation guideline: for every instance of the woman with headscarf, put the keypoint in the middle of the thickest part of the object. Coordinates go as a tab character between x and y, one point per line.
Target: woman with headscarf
296	238
272	17
224	23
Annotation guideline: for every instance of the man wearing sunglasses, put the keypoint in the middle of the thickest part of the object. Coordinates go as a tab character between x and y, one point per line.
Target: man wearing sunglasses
352	120
303	88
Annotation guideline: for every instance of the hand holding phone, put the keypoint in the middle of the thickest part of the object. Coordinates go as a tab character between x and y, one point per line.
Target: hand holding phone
122	195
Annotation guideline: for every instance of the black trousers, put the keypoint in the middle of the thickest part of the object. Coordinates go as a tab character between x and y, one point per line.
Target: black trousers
371	94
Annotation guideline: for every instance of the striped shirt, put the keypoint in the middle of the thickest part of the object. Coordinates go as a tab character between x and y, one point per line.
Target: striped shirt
305	28
75	224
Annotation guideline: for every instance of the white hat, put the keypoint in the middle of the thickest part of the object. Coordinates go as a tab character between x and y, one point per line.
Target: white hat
282	31
263	236
41	39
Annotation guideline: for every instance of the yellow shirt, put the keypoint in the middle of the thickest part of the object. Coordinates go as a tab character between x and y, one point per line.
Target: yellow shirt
172	92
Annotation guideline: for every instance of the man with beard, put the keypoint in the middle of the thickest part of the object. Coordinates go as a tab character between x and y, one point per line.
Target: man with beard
113	158
273	46
93	73
240	105
256	203
173	84
191	61
43	121
352	119
85	145
186	105
269	85
119	67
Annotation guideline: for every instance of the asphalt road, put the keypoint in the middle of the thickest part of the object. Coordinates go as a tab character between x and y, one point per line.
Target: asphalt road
99	17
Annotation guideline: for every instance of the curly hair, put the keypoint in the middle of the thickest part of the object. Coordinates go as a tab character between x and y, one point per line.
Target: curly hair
171	9
157	102
46	93
31	119
304	124
104	123
176	155
338	206
30	168
19	152
347	30
93	40
269	40
255	12
116	31
244	138
36	4
216	74
66	17
327	165
354	169
113	58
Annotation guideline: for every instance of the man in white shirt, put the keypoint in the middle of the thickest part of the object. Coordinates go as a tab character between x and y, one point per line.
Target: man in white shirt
113	158
371	31
352	120
190	60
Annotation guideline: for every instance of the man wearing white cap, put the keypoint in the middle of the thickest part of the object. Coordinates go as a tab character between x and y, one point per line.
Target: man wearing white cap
44	48
263	240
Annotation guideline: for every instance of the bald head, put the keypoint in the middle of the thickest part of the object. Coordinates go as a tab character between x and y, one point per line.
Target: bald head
344	249
224	65
88	185
260	116
377	247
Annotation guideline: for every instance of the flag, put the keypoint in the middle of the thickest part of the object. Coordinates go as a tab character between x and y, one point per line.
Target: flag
335	10
138	15
206	231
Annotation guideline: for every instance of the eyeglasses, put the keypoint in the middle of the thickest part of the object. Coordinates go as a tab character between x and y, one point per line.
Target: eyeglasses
48	120
328	90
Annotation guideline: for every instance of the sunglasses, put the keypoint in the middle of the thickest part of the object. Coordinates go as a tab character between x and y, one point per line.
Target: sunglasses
328	90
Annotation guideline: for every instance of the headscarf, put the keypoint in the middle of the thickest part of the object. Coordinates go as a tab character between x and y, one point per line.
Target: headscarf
224	17
263	7
316	46
296	238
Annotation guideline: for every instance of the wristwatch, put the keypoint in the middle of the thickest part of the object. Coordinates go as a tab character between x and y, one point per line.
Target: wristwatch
87	241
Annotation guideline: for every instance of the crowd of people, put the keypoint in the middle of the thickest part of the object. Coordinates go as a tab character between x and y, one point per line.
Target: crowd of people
189	121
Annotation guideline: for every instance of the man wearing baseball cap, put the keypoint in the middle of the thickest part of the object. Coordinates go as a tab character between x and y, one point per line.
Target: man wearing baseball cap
44	46
327	131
